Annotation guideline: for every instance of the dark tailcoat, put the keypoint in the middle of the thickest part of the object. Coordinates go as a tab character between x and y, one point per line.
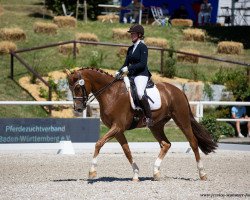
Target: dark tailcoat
137	61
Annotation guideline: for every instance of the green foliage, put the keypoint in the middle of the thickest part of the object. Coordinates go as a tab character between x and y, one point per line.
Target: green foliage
208	91
96	59
36	65
69	63
217	128
235	80
194	73
169	69
43	93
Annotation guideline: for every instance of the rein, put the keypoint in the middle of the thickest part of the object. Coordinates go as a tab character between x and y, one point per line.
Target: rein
100	91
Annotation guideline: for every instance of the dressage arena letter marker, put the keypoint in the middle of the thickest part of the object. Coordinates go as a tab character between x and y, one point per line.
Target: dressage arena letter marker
66	148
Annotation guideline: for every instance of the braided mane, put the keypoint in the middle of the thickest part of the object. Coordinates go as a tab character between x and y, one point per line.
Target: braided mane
96	69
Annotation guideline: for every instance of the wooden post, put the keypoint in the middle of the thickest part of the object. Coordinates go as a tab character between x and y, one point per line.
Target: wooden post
11	65
77	4
74	50
162	60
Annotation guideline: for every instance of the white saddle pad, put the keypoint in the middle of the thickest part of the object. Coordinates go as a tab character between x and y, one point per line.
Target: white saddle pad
153	93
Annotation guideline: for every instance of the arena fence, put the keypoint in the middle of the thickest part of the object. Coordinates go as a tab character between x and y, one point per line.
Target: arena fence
199	114
14	54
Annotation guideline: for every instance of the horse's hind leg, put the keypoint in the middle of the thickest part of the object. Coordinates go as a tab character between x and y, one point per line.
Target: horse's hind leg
109	135
123	142
158	132
184	123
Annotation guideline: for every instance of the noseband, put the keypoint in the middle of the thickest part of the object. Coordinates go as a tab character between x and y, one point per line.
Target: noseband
84	98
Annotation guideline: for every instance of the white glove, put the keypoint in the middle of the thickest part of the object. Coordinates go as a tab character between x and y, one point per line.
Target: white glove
124	69
116	73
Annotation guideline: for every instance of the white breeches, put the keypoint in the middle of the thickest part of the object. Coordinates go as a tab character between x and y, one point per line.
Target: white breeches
141	83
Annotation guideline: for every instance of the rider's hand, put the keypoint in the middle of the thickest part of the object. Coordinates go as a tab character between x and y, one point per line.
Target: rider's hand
124	69
117	74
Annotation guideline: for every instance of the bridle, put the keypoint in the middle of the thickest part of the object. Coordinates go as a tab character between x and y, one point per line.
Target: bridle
85	99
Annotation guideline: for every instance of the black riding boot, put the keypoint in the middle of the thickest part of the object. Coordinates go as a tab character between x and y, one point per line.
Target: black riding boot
147	111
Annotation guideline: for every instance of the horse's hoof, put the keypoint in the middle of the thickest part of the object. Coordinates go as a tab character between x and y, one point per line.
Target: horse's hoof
135	180
204	178
157	176
92	175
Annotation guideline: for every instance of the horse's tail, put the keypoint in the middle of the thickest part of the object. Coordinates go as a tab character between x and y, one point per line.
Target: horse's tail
205	141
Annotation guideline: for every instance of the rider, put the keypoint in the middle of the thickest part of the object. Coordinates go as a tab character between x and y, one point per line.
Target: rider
136	66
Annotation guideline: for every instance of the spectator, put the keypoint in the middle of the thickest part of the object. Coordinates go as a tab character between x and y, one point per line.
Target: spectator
133	14
205	13
180	13
239	112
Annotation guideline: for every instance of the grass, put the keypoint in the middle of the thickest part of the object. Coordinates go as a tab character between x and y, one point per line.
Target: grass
173	134
30	11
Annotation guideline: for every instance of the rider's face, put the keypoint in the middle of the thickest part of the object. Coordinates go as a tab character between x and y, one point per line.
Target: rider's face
134	37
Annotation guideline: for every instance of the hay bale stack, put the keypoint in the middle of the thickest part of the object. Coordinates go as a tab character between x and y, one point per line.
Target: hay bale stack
65	21
122	52
188	58
47	28
120	33
6	47
108	18
230	47
12	34
87	37
156	42
67	49
194	34
182	22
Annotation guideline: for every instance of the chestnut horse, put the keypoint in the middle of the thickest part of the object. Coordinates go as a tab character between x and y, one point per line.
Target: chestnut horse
117	114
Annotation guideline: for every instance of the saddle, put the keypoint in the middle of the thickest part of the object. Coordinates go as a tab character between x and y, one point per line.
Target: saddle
150	84
152	94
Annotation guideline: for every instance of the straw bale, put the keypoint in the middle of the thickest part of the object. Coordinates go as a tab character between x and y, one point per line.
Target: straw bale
120	33
65	21
188	58
156	42
182	22
7	47
108	18
230	47
47	28
122	52
194	34
12	34
67	49
87	37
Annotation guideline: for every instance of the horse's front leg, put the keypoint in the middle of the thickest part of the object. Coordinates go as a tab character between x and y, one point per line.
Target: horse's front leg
109	135
123	142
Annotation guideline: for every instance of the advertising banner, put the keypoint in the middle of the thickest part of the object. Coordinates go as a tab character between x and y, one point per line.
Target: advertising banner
48	130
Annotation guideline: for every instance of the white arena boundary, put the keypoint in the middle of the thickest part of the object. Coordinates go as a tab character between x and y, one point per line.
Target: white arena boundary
198	115
111	147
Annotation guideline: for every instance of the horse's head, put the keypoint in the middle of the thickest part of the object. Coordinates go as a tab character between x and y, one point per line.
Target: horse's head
79	90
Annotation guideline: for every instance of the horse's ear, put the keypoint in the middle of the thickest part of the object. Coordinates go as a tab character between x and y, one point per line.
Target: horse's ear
67	72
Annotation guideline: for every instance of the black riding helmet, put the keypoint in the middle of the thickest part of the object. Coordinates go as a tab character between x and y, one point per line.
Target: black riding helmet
137	28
